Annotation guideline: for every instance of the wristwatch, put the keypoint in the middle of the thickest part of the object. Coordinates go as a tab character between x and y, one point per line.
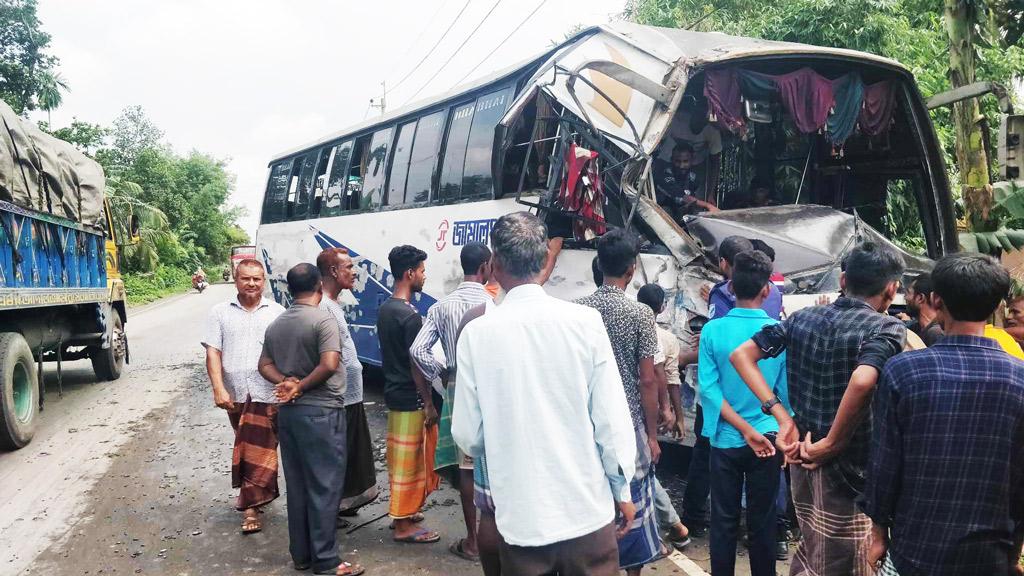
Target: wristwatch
767	406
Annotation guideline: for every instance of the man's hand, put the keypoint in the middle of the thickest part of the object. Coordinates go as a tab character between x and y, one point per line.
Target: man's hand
814	454
628	513
288	390
680	429
668	418
222	399
652	443
705	293
788	441
877	546
429	415
759	443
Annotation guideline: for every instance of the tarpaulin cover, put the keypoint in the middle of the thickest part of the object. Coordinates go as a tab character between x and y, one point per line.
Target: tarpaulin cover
46	174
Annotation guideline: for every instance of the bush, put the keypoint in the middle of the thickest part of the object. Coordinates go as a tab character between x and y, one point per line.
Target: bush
147	287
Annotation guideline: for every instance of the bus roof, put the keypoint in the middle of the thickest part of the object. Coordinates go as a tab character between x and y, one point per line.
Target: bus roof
670	45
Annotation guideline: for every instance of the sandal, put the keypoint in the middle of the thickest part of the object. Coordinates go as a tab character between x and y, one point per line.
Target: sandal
421	536
251	524
679	542
458	548
416	519
344	569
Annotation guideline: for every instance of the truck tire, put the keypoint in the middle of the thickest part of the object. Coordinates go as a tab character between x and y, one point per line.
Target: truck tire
107	363
19	392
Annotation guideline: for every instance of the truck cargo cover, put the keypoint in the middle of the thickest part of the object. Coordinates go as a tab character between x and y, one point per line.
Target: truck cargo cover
46	174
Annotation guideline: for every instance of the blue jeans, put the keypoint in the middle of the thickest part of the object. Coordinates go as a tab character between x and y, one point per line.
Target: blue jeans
731	468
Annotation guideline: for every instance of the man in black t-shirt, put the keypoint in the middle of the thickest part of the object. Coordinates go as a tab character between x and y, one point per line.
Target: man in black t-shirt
411	414
681	189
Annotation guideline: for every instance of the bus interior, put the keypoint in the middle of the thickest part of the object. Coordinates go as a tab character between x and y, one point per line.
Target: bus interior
799	134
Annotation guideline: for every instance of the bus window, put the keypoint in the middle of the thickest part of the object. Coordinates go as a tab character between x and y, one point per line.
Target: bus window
372	170
337	180
302	181
476	182
319	182
423	162
400	164
455	152
277	192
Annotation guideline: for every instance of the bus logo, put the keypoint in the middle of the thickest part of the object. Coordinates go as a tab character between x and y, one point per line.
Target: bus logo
467	231
442	233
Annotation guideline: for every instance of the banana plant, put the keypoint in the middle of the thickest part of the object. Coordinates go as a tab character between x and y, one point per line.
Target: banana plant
1007	218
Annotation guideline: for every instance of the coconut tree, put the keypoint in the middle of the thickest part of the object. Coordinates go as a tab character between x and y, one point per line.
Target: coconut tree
48	94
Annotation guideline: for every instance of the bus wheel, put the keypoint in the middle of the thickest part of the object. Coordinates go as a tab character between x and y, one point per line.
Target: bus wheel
107	363
19	392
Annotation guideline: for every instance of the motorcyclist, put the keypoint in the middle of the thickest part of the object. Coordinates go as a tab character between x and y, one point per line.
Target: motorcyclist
199	279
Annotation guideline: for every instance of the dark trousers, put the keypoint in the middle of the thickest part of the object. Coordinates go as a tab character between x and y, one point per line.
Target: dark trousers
313	454
731	468
594	554
698	478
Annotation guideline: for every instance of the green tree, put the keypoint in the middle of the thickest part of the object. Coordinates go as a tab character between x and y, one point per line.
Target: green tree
132	134
87	137
28	78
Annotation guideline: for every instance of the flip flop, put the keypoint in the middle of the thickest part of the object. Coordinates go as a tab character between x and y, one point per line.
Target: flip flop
421	536
350	570
458	549
251	524
679	543
343	523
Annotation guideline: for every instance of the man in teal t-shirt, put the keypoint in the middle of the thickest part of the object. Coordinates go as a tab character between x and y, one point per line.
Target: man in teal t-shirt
742	434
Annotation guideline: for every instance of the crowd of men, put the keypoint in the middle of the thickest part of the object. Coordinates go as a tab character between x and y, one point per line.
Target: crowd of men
892	461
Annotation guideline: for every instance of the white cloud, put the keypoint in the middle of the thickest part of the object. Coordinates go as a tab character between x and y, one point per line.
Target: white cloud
245	79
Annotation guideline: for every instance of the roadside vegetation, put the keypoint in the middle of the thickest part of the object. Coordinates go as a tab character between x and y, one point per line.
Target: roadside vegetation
180	199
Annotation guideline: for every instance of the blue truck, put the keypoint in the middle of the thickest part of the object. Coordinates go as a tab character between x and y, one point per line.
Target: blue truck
61	293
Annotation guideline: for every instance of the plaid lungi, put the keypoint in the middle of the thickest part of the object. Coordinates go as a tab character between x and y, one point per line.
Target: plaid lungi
482	486
254	458
410	456
888	568
836	534
642	544
447	453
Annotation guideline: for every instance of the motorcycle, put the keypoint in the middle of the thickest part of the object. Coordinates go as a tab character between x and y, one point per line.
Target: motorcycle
200	283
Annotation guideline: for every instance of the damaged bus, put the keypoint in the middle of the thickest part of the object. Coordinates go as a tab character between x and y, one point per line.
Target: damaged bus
685	137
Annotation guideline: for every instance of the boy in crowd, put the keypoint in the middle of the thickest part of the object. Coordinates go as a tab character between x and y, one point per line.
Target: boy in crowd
945	489
742	436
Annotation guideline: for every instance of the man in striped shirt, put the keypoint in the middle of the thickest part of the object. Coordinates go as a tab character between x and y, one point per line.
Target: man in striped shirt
442	323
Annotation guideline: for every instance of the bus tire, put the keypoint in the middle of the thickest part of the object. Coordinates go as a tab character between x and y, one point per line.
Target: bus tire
19	392
107	363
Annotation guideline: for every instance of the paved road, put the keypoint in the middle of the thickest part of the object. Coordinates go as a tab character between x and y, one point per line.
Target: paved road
133	476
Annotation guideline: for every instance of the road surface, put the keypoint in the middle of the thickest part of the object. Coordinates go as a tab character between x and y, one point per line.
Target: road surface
133	476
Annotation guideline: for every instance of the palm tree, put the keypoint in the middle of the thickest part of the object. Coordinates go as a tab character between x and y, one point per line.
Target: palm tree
49	96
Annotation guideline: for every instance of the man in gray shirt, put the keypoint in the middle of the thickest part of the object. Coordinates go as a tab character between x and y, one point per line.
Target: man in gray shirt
301	351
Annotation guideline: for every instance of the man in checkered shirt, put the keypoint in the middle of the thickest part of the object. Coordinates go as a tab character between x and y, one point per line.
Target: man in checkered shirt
834	356
946	480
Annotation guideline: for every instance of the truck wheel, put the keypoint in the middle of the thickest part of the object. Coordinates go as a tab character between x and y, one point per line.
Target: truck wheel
19	392
107	363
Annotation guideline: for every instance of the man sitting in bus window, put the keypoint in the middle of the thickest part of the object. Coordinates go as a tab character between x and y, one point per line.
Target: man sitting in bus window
681	188
760	194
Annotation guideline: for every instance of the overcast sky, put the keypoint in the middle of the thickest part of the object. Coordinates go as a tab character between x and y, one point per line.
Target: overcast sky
245	79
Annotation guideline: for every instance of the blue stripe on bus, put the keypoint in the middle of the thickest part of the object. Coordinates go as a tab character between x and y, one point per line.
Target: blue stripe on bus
362	317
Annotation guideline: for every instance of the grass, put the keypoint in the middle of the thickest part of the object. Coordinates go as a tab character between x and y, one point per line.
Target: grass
145	288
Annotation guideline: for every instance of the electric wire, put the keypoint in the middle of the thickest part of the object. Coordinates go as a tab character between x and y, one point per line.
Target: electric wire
502	43
432	48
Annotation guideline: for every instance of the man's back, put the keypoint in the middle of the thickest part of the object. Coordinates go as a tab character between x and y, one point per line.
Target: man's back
824	345
957	413
534	363
295	340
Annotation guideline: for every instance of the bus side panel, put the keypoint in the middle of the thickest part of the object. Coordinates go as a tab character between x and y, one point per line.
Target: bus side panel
440	231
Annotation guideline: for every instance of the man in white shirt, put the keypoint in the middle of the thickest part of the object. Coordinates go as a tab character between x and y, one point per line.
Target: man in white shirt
553	506
233	342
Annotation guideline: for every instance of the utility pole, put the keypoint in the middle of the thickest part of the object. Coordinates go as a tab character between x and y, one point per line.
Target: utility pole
382	103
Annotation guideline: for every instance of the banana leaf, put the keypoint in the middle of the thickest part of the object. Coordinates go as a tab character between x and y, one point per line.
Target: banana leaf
992	242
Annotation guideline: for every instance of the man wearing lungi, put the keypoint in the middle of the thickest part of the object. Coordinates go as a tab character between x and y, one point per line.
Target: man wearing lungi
233	342
834	356
412	418
634	338
442	324
339	273
301	351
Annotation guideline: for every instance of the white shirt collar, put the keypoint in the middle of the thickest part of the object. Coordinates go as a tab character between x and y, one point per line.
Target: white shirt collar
524	292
